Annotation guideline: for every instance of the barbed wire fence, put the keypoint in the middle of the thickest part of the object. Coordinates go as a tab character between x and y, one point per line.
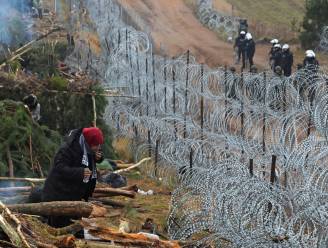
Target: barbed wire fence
250	150
323	44
216	20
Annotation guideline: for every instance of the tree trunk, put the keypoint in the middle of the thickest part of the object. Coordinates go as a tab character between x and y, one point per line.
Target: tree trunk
57	208
10	162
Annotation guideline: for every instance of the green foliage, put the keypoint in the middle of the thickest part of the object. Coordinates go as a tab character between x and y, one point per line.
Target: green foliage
63	112
315	19
21	135
57	83
43	58
14	66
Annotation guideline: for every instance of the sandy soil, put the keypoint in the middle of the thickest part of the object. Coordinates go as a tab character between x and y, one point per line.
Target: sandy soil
175	29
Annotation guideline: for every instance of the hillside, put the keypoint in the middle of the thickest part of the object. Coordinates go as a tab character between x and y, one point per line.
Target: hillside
174	28
265	11
267	18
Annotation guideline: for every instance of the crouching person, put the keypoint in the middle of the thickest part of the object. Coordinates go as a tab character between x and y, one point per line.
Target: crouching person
73	175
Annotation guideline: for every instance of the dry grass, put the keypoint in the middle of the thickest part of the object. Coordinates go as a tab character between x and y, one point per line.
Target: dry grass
266	18
124	149
151	206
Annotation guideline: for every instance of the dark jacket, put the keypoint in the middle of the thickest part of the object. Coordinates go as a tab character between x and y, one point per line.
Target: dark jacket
287	59
250	48
276	57
65	180
240	42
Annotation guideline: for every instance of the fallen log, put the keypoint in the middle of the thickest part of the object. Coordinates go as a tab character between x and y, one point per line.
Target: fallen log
57	208
113	192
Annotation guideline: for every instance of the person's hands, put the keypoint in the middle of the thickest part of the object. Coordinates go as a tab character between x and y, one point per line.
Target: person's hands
98	155
87	172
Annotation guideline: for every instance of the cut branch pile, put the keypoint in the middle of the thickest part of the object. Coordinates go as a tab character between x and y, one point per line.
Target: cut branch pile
25	230
22	226
126	239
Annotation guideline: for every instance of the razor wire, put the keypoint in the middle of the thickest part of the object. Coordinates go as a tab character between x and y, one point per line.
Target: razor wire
216	20
323	44
220	132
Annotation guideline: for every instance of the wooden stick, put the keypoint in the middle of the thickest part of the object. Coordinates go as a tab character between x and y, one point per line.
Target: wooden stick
107	233
96	244
115	192
71	229
7	244
133	166
56	208
20	51
16	236
130	188
31	180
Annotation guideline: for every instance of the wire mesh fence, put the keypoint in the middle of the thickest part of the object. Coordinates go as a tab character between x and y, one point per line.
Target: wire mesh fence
250	150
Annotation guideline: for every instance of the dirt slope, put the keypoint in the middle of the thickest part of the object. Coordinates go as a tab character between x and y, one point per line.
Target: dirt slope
175	29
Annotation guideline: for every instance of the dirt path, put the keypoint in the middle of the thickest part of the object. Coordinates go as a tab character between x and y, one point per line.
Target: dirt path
175	29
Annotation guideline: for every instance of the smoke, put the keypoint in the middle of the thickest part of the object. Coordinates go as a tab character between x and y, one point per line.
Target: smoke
15	22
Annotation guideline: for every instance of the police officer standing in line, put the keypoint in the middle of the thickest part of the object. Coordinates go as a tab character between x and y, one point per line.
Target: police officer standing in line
311	65
276	56
287	60
240	45
250	49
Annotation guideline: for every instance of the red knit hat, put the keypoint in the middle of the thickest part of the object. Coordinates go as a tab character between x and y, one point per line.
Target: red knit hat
93	136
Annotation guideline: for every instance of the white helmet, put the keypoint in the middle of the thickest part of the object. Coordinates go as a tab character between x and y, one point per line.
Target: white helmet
277	46
285	47
310	53
242	32
249	36
274	41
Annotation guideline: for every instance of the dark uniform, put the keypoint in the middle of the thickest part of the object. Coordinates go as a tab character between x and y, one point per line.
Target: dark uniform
276	57
311	64
287	60
250	51
240	43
